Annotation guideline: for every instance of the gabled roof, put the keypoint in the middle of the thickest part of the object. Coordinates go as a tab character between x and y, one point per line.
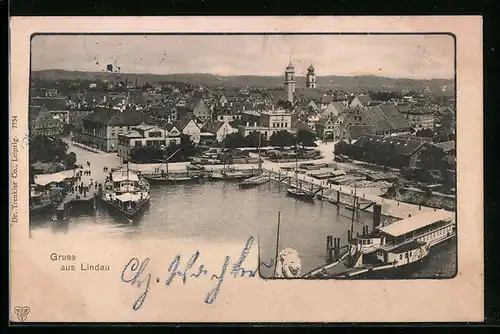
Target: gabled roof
326	99
49	103
446	146
339	106
127	118
324	120
132	134
170	126
309	94
301	125
397	120
182	112
404	108
357	131
420	111
101	115
212	127
377	118
364	99
401	146
144	127
180	125
278	95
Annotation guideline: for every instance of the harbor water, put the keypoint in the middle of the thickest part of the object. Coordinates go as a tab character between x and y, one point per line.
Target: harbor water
220	211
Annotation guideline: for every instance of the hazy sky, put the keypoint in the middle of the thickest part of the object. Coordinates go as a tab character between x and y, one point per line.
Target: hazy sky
399	56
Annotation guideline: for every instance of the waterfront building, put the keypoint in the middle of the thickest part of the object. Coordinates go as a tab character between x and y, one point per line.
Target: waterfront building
384	119
397	152
270	122
219	129
101	128
145	135
191	128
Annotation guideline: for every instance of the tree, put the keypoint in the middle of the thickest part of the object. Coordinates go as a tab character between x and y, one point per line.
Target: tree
282	138
284	104
432	158
144	154
46	149
187	147
234	140
424	133
67	129
252	140
70	162
384	95
306	138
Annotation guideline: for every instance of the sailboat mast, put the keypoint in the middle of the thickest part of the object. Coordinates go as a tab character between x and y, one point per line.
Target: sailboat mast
260	163
128	188
166	165
352	226
277	244
297	166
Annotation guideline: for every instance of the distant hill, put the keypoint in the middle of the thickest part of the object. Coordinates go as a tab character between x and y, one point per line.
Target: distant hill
348	83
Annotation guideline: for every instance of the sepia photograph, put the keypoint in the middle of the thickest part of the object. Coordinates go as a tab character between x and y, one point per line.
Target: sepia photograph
338	151
172	170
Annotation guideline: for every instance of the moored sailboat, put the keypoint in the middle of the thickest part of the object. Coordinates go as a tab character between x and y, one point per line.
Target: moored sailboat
296	190
258	179
162	176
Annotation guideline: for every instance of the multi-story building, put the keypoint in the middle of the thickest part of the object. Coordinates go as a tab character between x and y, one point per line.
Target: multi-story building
101	128
144	135
419	117
270	122
42	123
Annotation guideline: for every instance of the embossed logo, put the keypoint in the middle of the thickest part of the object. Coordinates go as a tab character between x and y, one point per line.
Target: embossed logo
22	312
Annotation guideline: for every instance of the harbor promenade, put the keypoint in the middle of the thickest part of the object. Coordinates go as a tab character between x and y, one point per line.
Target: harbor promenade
92	172
390	207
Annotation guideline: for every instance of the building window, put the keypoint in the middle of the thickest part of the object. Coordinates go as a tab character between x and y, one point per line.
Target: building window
155	134
400	256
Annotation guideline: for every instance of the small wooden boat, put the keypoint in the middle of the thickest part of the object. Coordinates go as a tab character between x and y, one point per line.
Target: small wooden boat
300	193
254	181
172	178
229	175
295	191
349	207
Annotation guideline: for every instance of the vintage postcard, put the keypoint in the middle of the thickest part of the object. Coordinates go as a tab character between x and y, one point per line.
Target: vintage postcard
246	169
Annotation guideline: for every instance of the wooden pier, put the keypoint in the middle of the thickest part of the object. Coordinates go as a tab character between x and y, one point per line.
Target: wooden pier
321	189
62	211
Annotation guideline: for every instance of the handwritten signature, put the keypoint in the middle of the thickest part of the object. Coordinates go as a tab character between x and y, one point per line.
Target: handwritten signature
135	273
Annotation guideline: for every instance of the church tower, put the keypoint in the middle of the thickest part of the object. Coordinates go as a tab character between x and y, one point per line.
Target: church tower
290	81
311	77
